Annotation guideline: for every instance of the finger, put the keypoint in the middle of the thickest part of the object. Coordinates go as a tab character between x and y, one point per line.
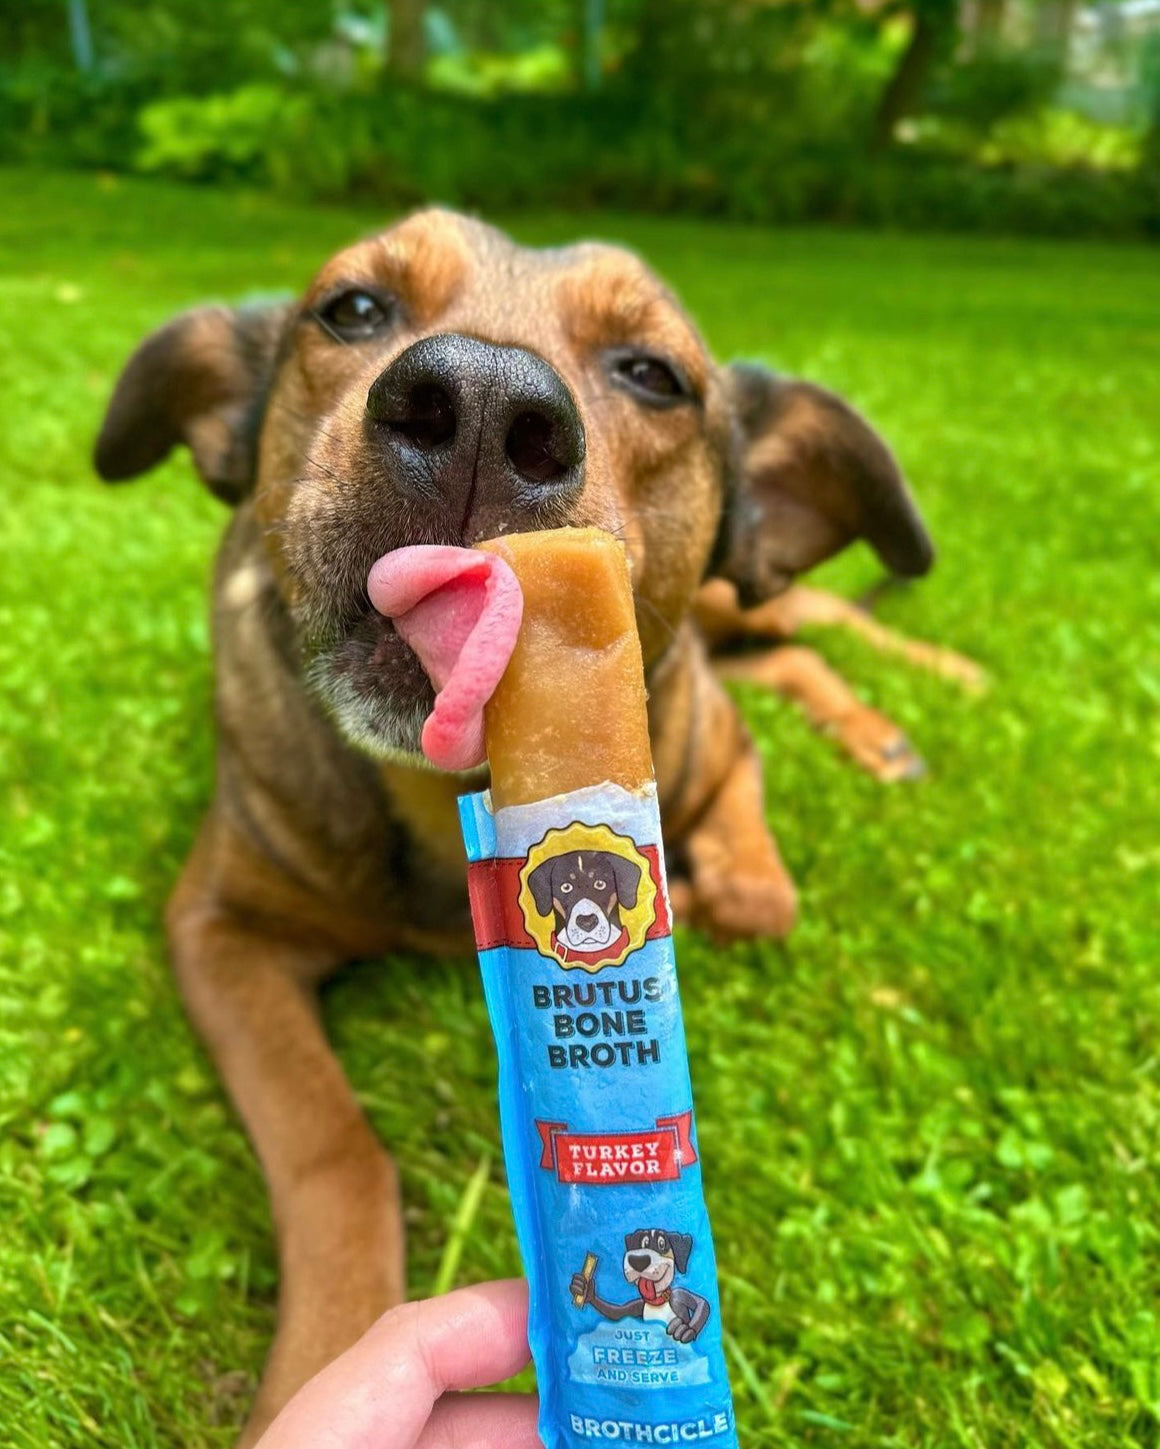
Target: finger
482	1421
387	1383
469	1338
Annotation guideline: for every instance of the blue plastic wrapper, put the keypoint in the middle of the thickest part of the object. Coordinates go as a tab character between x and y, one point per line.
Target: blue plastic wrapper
572	923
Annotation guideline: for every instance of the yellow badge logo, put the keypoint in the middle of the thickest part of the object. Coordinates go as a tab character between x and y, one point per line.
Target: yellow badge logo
587	897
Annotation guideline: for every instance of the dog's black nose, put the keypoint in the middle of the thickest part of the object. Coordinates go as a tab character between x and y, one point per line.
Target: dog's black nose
465	424
639	1261
587	923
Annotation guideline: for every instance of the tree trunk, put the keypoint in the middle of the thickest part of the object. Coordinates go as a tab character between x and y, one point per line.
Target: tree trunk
1053	23
405	42
989	17
934	29
593	43
80	32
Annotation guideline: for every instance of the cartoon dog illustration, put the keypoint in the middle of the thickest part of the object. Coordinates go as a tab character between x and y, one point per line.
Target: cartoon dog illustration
652	1259
584	890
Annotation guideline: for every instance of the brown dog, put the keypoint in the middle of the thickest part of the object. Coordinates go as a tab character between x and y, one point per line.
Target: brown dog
438	384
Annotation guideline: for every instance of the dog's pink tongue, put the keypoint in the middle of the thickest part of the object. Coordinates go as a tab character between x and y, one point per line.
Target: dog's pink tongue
460	612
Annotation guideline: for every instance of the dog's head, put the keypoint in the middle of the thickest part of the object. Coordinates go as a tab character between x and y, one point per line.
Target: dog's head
655	1257
584	891
439	384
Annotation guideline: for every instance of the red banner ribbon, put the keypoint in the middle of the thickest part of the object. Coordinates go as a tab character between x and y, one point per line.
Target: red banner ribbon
609	1159
493	887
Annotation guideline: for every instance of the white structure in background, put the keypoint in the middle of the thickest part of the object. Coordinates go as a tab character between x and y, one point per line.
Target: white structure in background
1105	74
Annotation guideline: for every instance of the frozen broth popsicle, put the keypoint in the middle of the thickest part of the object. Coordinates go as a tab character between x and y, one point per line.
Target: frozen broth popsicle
569	710
570	909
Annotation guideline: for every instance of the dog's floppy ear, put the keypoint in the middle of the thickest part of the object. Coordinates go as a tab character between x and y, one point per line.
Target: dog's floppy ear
540	883
682	1246
626	874
810	476
201	380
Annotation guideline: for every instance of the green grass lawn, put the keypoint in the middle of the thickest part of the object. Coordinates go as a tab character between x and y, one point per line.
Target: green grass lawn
930	1121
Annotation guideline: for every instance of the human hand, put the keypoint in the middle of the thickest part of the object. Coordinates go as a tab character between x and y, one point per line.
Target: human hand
395	1388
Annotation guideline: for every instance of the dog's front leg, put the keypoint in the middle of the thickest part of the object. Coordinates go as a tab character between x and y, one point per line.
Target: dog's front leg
868	737
740	887
712	794
249	990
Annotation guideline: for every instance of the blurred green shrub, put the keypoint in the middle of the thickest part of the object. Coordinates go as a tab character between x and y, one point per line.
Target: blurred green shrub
1055	137
405	146
754	111
249	134
57	115
544	69
992	86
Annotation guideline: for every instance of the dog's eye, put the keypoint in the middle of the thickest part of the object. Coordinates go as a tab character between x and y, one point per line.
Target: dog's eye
661	1242
600	885
565	889
649	378
354	315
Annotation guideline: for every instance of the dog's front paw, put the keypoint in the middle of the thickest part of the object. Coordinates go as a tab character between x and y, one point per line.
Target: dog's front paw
739	905
681	1331
682	899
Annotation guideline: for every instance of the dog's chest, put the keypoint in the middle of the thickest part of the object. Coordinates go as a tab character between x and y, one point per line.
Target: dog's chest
658	1312
425	803
427	861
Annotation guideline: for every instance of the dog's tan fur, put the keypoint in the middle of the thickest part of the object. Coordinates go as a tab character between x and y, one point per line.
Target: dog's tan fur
324	844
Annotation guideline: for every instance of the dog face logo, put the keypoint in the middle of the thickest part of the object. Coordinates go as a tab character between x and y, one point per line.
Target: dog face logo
653	1258
585	893
587	896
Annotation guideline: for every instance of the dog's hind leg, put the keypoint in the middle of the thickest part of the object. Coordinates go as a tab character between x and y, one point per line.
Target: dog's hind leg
248	985
816	606
830	705
723	620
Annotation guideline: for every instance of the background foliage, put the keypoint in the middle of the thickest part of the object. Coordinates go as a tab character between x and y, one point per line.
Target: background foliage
1037	115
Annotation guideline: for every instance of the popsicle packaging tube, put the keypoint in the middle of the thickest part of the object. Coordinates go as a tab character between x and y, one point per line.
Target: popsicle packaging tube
570	909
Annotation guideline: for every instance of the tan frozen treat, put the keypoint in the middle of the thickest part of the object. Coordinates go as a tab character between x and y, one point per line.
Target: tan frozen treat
569	905
569	710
